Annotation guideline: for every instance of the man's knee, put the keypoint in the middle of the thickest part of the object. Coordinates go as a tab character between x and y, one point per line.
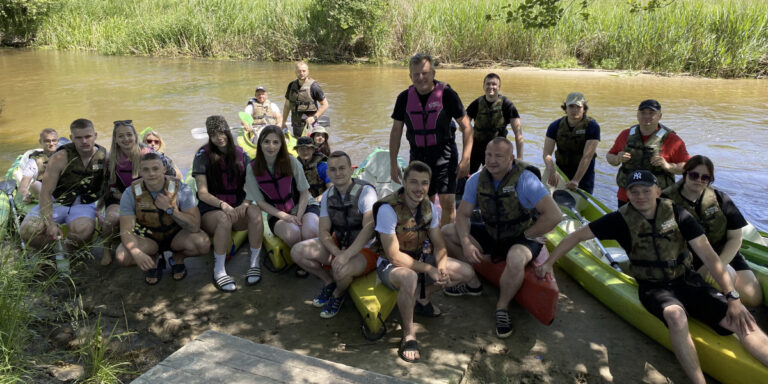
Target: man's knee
518	256
81	229
200	242
675	317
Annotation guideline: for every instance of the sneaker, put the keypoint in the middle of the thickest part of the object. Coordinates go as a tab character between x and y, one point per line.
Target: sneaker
503	324
463	289
332	307
325	294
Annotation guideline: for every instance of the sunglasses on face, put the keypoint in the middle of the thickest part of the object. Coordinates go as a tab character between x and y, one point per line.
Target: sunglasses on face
695	176
153	141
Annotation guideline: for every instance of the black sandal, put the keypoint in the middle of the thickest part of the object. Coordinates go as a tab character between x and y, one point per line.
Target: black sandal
155	273
253	272
223	281
176	269
410	345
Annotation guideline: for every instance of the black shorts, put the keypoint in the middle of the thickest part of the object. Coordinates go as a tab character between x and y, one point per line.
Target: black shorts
498	250
700	300
444	161
164	244
205	208
311	208
739	263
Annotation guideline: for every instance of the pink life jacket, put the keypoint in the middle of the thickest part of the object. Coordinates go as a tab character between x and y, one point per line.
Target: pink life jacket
279	191
232	192
424	119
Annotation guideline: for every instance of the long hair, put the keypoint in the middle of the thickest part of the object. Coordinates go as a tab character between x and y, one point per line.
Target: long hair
324	148
282	161
134	156
234	166
694	162
155	134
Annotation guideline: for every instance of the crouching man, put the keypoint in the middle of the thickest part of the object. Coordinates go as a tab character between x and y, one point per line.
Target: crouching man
157	214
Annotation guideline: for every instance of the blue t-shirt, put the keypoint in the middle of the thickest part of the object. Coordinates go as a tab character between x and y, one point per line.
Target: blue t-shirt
529	188
592	132
184	200
322	171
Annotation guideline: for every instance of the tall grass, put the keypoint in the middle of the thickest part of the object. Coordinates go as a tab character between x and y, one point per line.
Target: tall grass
727	38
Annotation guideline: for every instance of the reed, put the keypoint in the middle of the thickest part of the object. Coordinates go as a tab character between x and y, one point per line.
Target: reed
726	38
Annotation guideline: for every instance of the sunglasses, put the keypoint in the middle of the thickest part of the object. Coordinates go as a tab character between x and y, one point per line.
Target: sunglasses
123	122
153	141
695	176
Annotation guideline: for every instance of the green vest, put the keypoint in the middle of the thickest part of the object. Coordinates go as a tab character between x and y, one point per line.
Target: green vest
346	218
301	97
659	252
706	211
151	222
489	122
41	159
570	144
641	154
503	215
262	113
412	230
86	181
316	186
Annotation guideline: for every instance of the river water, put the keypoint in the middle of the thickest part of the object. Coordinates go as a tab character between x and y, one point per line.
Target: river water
726	120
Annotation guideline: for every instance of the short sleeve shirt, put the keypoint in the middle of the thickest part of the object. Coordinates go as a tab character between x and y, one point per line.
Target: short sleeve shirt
530	189
253	193
386	219
200	163
29	168
451	104
314	90
185	200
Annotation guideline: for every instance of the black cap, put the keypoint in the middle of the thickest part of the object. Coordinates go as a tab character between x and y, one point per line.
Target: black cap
650	104
305	141
641	177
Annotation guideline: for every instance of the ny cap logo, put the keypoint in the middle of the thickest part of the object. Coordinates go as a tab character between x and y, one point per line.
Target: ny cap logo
637	176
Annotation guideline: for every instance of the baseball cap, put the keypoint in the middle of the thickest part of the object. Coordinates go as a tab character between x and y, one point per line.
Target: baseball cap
317	129
305	141
650	104
575	98
260	88
642	177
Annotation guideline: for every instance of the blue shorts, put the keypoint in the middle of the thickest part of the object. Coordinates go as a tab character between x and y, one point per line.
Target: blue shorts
63	214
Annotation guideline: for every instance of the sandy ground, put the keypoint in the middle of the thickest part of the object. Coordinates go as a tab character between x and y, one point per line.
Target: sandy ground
586	343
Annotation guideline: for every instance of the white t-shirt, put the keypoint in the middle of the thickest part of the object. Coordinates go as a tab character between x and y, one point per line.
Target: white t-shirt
386	219
272	107
30	169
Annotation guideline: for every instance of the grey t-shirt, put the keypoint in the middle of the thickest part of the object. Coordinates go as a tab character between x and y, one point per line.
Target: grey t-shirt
253	193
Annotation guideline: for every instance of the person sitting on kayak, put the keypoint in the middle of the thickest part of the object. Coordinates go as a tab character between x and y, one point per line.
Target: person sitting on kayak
154	140
492	113
157	214
315	166
122	169
275	181
506	191
648	145
341	251
656	234
722	222
263	111
34	169
219	170
320	136
575	136
301	101
407	224
72	185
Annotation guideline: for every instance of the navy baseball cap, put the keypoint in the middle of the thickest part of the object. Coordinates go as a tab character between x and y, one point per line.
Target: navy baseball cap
642	178
650	104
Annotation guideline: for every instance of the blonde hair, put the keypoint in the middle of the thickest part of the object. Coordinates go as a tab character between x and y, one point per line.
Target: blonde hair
156	134
135	154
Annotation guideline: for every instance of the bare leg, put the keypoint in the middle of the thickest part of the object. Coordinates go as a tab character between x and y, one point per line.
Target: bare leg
311	255
344	274
405	280
682	344
455	250
749	288
512	277
288	232
310	223
33	232
448	203
255	226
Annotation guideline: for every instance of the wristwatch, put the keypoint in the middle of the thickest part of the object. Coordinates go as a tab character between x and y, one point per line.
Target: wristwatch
732	295
169	211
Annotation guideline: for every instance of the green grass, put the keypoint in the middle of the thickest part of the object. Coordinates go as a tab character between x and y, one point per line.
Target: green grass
725	38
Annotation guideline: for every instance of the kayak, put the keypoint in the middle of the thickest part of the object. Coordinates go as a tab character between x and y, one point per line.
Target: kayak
722	357
375	170
247	141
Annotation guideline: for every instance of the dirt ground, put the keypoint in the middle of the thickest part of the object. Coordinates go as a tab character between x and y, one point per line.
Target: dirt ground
586	343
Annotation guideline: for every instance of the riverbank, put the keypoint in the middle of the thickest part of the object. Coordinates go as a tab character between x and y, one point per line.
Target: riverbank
719	38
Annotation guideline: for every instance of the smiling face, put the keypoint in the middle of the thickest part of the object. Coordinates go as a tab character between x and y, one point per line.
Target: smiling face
498	158
423	76
340	172
270	147
125	138
643	198
318	138
261	96
416	188
49	142
491	86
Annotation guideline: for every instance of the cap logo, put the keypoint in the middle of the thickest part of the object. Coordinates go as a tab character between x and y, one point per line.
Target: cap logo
637	176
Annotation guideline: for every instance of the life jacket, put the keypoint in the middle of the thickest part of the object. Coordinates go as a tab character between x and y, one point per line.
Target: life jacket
151	221
706	211
86	181
346	218
281	191
262	113
232	191
41	160
301	97
411	230
316	185
641	154
570	144
427	125
503	215
489	122
659	252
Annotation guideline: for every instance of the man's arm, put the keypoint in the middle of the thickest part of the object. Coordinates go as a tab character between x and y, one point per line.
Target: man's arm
582	234
589	153
550	216
320	110
399	259
549	163
517	130
131	243
394	148
56	165
324	234
286	111
466	153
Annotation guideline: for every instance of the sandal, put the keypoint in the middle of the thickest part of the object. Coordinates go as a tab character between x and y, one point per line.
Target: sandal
222	282
410	345
176	269
429	309
300	273
155	273
253	272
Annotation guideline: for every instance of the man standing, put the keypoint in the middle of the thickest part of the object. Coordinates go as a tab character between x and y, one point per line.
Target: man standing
301	100
427	109
405	221
72	184
34	169
649	146
344	235
263	111
656	235
506	190
492	113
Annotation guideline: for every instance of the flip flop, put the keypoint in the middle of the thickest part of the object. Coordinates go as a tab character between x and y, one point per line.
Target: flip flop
429	309
222	282
253	272
155	273
178	268
410	345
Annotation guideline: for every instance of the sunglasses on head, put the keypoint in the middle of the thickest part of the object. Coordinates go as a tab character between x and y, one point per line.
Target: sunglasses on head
153	141
695	176
123	122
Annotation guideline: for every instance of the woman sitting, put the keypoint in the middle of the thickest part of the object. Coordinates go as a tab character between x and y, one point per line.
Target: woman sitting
153	140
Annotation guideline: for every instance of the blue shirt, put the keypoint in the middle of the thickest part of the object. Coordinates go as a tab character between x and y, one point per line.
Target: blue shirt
529	188
322	171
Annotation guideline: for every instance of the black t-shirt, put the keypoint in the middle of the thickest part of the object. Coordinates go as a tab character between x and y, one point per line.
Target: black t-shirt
733	217
508	109
314	90
613	227
451	104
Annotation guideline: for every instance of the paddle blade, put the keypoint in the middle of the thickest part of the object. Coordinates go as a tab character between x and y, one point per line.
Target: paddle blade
7	186
246	118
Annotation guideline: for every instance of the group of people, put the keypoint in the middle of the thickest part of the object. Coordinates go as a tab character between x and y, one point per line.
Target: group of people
338	228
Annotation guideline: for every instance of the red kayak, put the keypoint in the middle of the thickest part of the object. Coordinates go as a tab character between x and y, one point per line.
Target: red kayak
537	296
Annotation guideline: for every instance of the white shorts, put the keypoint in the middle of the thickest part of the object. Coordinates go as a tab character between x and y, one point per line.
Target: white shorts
63	214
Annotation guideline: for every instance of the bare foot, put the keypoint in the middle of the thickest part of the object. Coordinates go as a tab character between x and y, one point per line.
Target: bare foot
106	256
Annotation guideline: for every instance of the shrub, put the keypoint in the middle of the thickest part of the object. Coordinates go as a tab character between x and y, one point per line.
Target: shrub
19	19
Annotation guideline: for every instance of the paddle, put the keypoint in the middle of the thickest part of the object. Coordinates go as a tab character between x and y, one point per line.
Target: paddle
565	199
7	186
590	201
